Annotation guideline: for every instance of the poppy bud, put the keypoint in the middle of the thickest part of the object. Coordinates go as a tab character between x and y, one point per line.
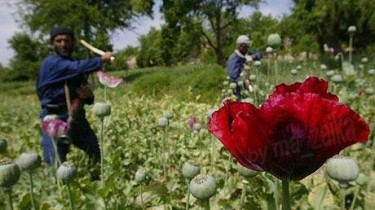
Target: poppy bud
163	122
9	173
168	115
210	112
299	67
342	169
29	161
203	186
245	172
140	175
190	170
66	172
3	145
225	83
257	63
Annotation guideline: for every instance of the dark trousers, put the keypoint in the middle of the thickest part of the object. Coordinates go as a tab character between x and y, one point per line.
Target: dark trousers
82	137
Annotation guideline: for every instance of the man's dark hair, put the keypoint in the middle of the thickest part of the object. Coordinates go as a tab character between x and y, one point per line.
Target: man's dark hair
61	30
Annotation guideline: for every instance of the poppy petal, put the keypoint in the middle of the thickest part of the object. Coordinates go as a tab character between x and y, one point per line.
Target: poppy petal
107	80
221	125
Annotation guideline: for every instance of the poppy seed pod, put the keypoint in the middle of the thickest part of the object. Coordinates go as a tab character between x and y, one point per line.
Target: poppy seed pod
352	29
101	109
168	115
370	91
232	85
197	127
330	73
163	122
342	169
269	49
257	63
253	77
9	173
66	172
140	175
245	172
3	145
364	60
293	72
371	72
29	161
190	170
274	40
203	186
336	78
323	67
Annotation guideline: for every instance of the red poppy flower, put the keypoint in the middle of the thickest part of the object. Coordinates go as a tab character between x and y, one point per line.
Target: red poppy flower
293	133
109	81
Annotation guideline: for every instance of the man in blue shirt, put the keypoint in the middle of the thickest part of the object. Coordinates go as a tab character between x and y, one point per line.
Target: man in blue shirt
237	60
56	71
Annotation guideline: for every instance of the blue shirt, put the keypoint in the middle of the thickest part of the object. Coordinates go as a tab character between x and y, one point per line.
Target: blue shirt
236	62
54	72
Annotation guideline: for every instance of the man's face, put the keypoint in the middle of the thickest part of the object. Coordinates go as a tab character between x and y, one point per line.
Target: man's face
243	49
63	45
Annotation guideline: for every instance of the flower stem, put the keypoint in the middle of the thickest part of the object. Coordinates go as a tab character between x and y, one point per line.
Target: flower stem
212	152
286	195
187	196
207	204
141	194
355	198
243	194
102	148
350	48
10	199
276	193
31	190
70	197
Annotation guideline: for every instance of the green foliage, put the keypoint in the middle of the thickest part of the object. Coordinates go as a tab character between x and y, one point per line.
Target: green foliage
150	53
29	53
329	22
214	18
190	82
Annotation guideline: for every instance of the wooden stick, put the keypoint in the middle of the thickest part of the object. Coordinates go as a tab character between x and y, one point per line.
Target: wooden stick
94	49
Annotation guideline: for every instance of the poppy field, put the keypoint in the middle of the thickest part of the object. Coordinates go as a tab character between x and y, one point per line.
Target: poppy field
160	152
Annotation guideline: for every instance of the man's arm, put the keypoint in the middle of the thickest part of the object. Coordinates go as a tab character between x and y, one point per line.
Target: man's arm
256	55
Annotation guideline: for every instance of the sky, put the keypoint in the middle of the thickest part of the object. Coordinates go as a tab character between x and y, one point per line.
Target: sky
120	39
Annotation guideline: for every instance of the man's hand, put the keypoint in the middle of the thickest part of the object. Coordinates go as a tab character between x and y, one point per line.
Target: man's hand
107	57
86	92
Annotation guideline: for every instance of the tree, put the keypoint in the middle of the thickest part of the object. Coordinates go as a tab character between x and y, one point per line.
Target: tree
328	21
28	56
92	20
214	16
